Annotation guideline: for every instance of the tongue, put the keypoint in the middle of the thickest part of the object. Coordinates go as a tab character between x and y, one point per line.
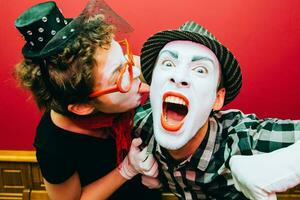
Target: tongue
174	117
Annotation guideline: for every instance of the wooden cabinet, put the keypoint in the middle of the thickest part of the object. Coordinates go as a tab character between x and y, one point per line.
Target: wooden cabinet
292	194
21	179
20	176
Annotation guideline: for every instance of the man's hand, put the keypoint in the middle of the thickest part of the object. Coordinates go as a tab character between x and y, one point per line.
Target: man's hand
260	176
138	161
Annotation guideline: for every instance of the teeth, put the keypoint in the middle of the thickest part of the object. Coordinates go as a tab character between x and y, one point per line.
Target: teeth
177	100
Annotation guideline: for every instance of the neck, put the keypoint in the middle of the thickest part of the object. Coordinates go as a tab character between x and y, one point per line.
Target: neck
189	148
66	123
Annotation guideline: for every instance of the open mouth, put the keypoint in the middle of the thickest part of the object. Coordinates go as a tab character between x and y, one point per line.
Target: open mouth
174	111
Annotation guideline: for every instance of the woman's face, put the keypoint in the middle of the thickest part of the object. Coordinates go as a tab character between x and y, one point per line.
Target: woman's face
108	64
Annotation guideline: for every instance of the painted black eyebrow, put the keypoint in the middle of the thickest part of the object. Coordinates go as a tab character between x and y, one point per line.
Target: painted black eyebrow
174	54
196	58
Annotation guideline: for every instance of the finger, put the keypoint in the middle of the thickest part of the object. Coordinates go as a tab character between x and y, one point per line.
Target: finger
255	192
242	188
143	155
148	163
153	170
151	182
136	142
236	183
146	181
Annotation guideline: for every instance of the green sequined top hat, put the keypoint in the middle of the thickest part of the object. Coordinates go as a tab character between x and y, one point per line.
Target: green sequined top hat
39	24
232	76
74	28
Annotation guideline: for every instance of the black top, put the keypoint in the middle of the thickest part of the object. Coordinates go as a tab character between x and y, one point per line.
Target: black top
60	153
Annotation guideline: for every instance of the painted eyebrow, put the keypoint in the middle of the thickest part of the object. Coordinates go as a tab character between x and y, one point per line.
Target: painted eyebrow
174	54
196	58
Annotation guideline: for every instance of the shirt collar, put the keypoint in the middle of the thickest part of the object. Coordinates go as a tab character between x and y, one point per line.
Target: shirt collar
203	154
207	153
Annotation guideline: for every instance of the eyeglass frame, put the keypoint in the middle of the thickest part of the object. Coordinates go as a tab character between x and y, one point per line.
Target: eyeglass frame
117	87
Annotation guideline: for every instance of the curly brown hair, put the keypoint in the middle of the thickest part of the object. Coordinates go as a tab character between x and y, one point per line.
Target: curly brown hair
70	72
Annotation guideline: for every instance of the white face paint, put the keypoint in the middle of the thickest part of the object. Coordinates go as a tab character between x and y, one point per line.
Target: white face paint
109	62
183	91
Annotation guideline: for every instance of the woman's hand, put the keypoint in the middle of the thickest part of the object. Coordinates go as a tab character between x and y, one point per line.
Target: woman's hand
138	161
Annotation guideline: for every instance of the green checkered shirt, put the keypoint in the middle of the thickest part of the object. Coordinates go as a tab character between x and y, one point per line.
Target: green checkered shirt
206	174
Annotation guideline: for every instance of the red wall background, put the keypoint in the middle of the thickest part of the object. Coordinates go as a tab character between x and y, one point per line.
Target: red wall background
264	35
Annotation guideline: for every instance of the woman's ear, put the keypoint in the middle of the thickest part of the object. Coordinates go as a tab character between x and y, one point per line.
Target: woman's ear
219	99
81	109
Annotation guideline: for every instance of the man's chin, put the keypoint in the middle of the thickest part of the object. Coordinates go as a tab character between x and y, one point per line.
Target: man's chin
169	141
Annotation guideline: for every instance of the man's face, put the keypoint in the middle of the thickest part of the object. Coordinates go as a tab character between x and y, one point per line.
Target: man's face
183	91
108	64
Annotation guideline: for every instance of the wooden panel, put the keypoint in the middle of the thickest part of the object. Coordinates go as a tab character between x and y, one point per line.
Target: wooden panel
26	194
37	177
39	195
296	190
288	197
168	196
11	196
17	156
21	179
291	194
14	177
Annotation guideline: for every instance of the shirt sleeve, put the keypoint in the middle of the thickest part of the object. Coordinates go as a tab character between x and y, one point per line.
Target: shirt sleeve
253	135
55	168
